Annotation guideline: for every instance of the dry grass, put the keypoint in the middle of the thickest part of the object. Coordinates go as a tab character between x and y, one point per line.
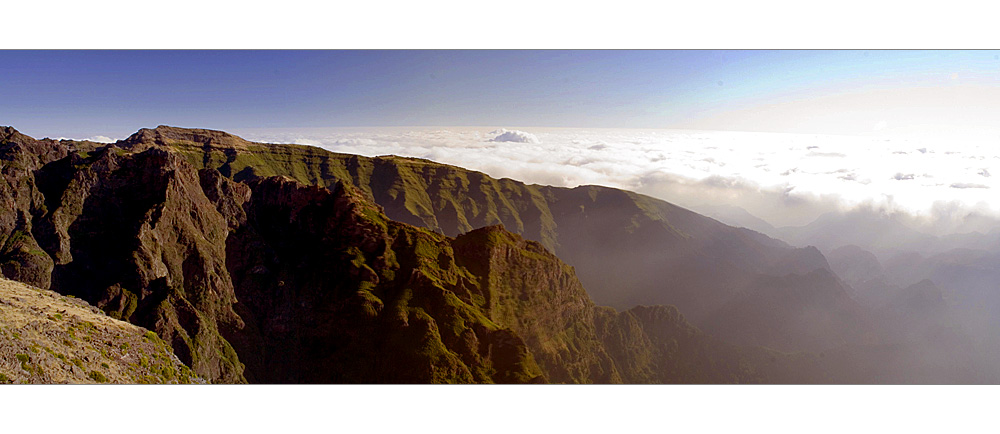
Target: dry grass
49	338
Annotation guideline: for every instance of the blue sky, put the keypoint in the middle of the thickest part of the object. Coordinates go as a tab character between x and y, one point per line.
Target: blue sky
113	93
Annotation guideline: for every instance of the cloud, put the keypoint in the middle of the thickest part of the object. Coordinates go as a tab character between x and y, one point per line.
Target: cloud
355	142
902	176
514	136
101	139
968	185
826	154
304	141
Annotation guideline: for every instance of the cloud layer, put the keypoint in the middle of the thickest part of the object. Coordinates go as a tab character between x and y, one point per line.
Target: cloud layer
787	179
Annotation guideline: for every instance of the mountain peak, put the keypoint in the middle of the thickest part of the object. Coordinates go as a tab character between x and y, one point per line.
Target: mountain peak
167	135
9	134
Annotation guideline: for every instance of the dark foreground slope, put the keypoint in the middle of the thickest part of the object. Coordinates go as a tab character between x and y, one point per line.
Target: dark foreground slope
628	249
270	280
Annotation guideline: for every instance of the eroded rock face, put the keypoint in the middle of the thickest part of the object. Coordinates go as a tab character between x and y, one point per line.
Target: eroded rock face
20	256
334	292
525	287
135	234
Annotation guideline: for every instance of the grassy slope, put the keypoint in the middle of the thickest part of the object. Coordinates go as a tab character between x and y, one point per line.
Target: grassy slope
48	338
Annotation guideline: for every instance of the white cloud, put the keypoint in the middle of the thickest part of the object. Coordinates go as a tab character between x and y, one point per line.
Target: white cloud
305	141
968	185
98	139
101	139
514	136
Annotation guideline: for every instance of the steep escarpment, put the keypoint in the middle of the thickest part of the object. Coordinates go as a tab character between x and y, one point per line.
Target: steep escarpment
333	292
20	256
627	248
267	279
528	289
48	338
135	234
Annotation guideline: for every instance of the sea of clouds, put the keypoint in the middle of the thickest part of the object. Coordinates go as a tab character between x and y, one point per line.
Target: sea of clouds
786	179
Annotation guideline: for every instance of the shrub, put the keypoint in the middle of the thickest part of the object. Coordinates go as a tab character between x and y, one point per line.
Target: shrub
98	377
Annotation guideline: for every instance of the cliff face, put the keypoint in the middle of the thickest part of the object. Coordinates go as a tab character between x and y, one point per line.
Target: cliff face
132	233
20	256
334	292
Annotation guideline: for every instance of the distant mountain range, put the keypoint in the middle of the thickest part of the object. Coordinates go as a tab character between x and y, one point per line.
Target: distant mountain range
289	264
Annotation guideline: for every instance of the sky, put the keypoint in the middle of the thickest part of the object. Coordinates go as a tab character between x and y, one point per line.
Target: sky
786	134
114	93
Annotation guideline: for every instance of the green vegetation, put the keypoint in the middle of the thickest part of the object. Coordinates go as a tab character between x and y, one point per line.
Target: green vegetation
23	358
98	377
8	243
127	305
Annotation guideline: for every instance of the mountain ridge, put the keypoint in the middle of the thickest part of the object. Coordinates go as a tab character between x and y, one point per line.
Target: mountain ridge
572	222
309	274
282	263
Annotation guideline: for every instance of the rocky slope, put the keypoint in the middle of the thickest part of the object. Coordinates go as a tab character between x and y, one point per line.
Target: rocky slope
49	338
